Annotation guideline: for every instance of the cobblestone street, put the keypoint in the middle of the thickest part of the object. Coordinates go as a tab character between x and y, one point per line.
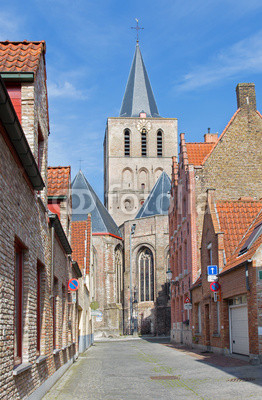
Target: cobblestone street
140	369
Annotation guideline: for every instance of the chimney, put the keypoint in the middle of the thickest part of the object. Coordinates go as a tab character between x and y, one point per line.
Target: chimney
246	96
210	137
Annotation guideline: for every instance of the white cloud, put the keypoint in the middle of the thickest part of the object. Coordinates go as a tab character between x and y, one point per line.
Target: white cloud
66	90
244	56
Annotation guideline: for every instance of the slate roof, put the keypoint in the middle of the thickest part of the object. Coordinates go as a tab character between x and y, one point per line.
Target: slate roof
85	201
158	199
58	181
234	219
20	56
81	242
138	95
197	152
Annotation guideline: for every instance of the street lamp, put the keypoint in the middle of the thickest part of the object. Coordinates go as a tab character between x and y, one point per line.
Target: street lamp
133	228
169	275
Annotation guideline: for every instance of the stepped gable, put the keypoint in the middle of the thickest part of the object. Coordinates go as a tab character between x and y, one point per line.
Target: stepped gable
138	95
157	202
21	56
58	181
85	201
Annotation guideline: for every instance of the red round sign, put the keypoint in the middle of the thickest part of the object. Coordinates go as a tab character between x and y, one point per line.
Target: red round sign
73	284
215	286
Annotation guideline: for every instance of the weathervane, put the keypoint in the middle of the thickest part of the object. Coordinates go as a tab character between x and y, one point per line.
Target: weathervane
137	28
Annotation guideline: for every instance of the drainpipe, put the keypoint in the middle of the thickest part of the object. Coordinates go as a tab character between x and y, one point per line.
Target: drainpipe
247	280
52	259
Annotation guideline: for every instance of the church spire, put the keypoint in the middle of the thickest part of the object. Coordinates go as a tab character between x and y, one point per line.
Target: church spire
138	95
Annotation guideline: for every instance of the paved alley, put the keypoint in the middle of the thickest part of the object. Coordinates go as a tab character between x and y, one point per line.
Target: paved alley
146	370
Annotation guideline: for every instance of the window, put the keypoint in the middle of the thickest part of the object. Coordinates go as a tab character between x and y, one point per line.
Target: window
209	253
118	269
199	318
159	144
143	143
19	261
40	149
146	275
127	143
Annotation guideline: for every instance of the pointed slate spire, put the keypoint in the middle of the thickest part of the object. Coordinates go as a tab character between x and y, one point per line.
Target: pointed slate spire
85	201
158	199
138	96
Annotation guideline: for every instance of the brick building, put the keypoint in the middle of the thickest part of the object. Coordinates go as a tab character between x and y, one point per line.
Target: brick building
38	329
107	256
225	164
82	253
230	240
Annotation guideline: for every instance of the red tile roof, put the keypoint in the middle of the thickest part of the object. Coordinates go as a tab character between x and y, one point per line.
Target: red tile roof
20	56
81	242
235	259
197	152
234	219
58	181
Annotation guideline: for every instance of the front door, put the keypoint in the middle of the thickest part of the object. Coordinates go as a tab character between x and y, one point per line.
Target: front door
239	329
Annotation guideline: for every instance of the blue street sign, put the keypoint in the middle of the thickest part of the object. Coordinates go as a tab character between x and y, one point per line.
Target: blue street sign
212	270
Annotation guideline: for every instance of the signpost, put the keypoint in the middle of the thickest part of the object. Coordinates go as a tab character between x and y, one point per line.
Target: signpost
215	286
187	304
73	284
212	273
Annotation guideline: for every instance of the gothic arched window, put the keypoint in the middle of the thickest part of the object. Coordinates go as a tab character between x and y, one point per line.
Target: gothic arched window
146	275
159	144
119	276
127	143
143	143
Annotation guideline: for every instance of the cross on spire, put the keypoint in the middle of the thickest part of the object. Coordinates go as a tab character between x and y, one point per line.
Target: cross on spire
137	28
80	163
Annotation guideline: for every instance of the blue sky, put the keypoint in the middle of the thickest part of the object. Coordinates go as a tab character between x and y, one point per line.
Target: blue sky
195	52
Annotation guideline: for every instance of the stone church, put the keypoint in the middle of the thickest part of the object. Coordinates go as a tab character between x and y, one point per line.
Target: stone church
132	227
138	150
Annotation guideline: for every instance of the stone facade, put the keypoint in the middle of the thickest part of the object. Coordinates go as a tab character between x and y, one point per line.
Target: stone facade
152	315
107	284
129	179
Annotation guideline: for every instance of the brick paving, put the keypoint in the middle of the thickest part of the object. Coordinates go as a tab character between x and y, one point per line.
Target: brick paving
146	370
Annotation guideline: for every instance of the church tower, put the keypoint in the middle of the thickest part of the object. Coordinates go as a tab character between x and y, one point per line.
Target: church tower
138	146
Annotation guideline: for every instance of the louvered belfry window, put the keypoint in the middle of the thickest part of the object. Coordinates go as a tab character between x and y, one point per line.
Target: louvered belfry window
159	144
146	275
143	143
127	143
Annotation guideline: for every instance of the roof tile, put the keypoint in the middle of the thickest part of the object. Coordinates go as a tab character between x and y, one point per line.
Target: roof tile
234	218
81	242
197	152
58	181
20	56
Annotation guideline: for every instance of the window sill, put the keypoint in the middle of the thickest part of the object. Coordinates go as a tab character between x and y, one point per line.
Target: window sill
40	359
21	368
56	351
216	335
